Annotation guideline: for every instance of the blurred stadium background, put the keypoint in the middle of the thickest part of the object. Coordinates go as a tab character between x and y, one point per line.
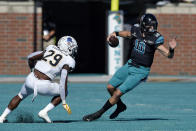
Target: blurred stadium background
21	32
165	103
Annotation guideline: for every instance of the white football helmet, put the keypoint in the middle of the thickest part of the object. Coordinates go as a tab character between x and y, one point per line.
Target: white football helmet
68	45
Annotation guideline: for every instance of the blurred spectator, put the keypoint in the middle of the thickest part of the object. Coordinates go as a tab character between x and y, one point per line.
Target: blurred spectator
164	2
189	1
49	32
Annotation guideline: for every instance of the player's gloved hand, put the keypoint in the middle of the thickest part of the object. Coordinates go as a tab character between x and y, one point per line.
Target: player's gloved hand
66	107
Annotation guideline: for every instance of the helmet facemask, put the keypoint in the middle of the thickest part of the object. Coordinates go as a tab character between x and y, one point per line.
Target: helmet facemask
73	51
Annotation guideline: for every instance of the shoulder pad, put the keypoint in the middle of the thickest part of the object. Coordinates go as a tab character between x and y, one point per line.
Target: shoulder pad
34	54
70	62
157	34
135	29
159	40
49	47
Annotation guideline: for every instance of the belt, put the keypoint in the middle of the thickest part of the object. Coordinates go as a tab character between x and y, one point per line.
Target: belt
39	75
134	64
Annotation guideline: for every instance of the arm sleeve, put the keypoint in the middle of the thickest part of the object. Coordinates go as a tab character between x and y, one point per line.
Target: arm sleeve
32	62
63	85
34	54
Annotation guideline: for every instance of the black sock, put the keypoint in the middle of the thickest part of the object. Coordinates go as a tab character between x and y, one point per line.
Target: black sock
119	103
107	106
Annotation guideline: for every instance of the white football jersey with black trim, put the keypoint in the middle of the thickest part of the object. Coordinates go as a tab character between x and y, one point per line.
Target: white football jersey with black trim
53	61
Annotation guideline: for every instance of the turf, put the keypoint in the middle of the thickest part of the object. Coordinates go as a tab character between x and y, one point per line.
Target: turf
152	106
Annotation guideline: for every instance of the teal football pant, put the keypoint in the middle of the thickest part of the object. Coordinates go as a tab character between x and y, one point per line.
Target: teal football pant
128	77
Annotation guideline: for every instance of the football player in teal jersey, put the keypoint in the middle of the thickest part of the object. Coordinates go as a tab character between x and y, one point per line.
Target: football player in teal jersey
145	41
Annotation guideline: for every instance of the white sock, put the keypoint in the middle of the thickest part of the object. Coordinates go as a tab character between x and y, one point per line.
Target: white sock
49	107
6	112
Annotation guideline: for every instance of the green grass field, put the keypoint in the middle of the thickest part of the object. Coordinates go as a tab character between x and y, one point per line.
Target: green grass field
152	106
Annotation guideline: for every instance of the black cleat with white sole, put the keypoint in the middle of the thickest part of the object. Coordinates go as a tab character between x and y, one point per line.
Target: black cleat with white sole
118	110
92	117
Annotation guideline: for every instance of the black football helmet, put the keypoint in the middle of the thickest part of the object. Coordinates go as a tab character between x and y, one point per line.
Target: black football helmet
146	21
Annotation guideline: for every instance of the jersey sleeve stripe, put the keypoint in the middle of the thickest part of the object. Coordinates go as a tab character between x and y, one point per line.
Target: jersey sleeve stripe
160	40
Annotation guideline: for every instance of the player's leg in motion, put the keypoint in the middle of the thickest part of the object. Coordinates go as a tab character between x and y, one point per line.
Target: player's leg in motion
48	88
114	88
56	100
15	102
113	100
11	106
120	105
114	92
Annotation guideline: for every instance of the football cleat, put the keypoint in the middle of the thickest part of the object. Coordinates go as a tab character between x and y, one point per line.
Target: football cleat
2	120
92	117
118	110
44	115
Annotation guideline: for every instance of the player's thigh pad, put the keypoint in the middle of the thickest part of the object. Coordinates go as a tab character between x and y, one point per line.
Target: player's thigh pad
24	92
135	77
27	88
120	76
48	88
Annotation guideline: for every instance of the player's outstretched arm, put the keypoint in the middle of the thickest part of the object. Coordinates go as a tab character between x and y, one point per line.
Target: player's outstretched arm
63	87
168	52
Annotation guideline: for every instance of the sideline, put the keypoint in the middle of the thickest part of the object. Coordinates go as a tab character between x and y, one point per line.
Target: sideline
101	79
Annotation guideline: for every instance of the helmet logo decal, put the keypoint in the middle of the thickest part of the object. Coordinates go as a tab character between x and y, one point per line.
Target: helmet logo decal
68	45
69	39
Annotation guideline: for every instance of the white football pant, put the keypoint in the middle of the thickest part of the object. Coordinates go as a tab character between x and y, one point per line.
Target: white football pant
36	86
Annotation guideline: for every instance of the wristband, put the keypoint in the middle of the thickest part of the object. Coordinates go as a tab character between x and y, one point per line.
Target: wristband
63	102
171	50
171	53
117	33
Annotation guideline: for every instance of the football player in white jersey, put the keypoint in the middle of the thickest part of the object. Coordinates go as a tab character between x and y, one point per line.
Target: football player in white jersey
51	62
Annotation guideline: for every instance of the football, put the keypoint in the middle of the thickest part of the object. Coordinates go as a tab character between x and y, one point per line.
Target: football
113	41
